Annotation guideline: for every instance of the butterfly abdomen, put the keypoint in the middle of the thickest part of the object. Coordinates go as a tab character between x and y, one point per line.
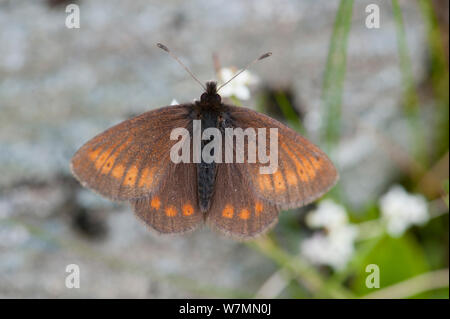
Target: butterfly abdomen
206	178
206	172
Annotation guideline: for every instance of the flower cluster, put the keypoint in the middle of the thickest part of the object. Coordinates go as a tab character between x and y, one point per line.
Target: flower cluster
401	210
335	246
239	86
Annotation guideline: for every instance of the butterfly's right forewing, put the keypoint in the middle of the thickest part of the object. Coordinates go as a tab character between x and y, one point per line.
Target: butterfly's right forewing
304	172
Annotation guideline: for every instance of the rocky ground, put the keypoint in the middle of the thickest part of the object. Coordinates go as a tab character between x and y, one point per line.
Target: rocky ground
59	87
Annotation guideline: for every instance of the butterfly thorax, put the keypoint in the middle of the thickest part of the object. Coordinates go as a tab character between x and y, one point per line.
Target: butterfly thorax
210	99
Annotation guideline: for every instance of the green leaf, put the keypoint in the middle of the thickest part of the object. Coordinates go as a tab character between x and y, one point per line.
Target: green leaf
289	112
397	258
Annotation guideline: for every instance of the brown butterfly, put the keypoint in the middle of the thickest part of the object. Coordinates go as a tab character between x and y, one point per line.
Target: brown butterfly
131	161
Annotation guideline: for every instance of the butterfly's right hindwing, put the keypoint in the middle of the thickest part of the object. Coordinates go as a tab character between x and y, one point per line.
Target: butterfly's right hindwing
173	208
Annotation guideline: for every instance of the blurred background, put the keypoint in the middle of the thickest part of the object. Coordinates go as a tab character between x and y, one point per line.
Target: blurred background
375	99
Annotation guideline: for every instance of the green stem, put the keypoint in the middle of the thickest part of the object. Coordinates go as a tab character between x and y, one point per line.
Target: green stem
439	77
335	74
410	98
413	286
299	269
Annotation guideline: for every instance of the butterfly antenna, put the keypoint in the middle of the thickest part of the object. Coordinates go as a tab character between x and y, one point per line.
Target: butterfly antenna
163	47
265	55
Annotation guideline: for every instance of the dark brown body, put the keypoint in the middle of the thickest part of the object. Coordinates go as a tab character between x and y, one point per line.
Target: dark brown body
212	113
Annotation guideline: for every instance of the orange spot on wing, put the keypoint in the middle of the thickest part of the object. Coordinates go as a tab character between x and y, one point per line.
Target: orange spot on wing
108	165
244	214
258	208
93	154
171	211
130	177
102	158
316	162
155	203
188	210
309	168
298	165
279	181
291	178
265	182
228	211
117	171
146	179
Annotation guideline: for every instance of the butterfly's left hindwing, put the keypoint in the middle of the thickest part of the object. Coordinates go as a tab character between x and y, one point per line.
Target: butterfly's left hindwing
129	160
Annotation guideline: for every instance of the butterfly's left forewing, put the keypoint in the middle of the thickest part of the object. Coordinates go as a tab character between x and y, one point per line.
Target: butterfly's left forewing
129	160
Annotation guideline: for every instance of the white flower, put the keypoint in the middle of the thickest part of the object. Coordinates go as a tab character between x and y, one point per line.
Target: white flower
238	87
334	248
328	215
400	210
174	102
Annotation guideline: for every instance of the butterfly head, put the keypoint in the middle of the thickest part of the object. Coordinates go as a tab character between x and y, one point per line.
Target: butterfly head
210	97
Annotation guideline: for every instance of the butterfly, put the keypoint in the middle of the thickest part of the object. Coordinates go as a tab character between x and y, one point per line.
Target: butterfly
131	162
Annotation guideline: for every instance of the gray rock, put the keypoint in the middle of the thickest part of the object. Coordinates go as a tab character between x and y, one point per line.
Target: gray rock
59	87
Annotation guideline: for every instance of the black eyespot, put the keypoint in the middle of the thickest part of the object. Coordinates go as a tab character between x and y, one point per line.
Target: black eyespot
217	98
204	97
